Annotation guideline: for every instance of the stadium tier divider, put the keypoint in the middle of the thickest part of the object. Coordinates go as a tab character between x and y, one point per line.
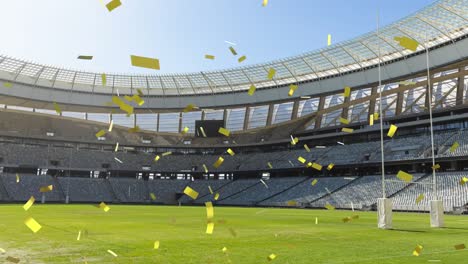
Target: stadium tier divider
306	179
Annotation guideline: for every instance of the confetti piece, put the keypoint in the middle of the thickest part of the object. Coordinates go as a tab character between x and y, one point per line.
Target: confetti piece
144	62
135	129
119	161
210	228
330	166
417	250
294	141
216	197
13	259
209	57
241	59
112	253
218	162
101	133
104	207
347	219
140	92
156	245
463	180
347	130
203	132
8	84
104	79
48	188
32	224
316	220
209	210
269	165
329	40
29	203
271	257
233	51
252	90
224	131
191	192
2	250
265	3
137	99
404	176
306	148
85	57
371	120
292	89
392	130
189	108
231	152
79	236
376	116
113	5
209	188
454	146
329	207
301	160
233	232
291	203
436	167
157	158
347	91
314	182
407	43
344	121
419	198
224	249
186	130
153	196
166	153
206	168
264	183
57	109
317	166
460	246
17	178
271	73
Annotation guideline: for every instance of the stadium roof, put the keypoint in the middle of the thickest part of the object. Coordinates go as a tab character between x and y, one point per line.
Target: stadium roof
441	22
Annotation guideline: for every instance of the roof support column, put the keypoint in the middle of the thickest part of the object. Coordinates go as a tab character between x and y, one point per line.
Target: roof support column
270	114
345	111
295	109
318	119
460	86
372	102
180	122
399	103
225	114
247	117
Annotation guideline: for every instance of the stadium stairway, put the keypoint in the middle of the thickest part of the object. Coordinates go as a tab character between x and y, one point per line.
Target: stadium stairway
281	192
235	193
205	197
4	195
59	188
337	189
112	191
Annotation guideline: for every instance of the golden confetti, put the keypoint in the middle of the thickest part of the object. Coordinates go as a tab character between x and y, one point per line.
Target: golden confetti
271	257
419	198
241	59
252	90
29	203
57	108
157	158
156	245
218	162
301	160
7	84
330	166
329	207
417	250
104	79
306	148
224	131
233	51
460	246
392	130
347	130
344	121
13	259
210	228
347	91
104	207
329	40
407	43
186	129
231	152
113	5
224	249
314	182
32	224
265	3
144	62
209	210
112	253
463	180
209	57
17	178
317	166
189	108
191	192
48	188
79	236
292	89
454	146
101	133
153	196
216	197
166	153
85	57
269	165
404	176
205	168
271	73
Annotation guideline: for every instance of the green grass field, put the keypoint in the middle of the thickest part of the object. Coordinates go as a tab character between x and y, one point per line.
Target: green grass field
291	234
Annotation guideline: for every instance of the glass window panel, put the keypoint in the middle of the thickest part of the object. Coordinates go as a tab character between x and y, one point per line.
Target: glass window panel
78	115
235	119
99	117
282	112
169	122
258	116
188	120
147	121
124	120
214	115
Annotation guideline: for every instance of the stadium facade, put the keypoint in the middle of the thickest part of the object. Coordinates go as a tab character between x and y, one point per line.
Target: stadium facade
46	148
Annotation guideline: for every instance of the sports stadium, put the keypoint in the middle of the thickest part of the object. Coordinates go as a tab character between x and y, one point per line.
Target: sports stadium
356	152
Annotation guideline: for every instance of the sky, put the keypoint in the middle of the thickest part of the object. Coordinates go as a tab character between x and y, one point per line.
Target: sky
180	32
